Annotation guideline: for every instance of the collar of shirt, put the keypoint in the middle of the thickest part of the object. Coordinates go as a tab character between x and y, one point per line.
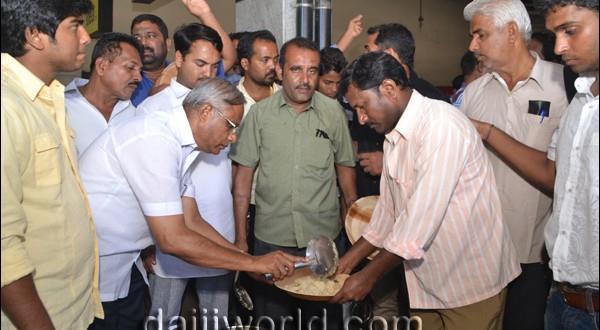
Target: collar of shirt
180	126
283	102
407	123
179	90
73	87
536	75
584	83
242	88
31	84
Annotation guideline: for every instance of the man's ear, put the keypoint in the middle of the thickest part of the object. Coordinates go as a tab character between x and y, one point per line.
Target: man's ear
178	59
34	39
388	88
100	66
513	32
205	112
168	43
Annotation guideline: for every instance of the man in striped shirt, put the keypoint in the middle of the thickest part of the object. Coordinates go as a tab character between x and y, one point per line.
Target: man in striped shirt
439	211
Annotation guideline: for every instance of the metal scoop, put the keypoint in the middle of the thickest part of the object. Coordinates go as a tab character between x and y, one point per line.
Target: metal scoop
321	257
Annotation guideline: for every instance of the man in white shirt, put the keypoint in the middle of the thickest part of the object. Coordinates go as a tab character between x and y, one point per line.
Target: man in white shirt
135	175
569	169
104	99
525	96
195	43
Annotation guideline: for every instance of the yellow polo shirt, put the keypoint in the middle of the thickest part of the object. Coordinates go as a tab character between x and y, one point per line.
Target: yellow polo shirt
47	228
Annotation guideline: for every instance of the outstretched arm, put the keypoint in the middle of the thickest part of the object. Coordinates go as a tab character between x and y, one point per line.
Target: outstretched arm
531	164
353	30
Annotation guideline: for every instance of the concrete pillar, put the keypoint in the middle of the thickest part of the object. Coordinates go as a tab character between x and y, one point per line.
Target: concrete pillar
277	16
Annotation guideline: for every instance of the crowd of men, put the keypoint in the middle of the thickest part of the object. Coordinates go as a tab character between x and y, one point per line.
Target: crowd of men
153	173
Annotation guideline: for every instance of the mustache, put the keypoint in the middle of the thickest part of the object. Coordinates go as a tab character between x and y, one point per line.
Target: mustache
149	50
303	86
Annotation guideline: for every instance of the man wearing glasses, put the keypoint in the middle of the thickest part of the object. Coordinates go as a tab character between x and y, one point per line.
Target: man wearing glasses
197	56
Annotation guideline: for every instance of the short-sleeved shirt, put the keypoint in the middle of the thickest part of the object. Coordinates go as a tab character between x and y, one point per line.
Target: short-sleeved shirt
296	154
440	211
572	233
47	229
85	119
134	169
525	209
211	188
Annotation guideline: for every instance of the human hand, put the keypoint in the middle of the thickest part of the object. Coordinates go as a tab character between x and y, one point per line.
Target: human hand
345	265
197	7
371	162
482	128
355	26
277	263
148	256
355	288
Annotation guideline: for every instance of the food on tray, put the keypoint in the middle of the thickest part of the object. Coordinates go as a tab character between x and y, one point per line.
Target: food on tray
308	284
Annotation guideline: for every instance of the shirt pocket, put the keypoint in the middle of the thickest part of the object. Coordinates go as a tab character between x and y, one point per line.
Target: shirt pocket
46	162
317	153
539	131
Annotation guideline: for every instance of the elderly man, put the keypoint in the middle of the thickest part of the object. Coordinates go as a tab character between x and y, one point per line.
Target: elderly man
297	140
135	175
569	169
197	55
453	282
49	256
104	99
525	96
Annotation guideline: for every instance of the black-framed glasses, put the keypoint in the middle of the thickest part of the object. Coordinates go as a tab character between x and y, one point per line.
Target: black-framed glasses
233	127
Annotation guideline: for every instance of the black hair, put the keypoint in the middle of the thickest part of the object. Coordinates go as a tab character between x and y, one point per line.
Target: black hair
300	42
400	39
162	27
237	35
549	5
346	79
332	59
548	40
468	63
245	48
374	29
185	36
371	69
109	46
44	16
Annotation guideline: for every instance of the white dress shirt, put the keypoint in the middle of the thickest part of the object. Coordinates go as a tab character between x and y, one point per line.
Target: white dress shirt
211	188
85	119
135	169
572	231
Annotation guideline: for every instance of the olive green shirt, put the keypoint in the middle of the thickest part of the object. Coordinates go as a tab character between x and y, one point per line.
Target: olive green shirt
296	153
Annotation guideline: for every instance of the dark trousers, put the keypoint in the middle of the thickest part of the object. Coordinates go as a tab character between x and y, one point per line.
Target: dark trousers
274	303
125	313
526	298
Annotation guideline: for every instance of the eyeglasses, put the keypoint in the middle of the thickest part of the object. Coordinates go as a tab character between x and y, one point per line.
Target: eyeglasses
232	126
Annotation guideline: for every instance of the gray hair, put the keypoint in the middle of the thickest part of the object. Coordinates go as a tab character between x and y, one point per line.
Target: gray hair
502	12
214	91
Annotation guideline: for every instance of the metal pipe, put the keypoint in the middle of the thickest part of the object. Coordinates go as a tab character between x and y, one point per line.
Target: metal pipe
305	18
323	23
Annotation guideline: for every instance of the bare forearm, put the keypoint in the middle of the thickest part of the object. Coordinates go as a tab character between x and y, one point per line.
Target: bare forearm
347	181
533	165
22	305
241	200
381	264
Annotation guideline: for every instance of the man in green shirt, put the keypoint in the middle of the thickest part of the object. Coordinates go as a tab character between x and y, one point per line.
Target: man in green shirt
297	140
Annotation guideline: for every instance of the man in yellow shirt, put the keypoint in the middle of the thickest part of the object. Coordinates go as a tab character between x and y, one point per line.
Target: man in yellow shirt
49	251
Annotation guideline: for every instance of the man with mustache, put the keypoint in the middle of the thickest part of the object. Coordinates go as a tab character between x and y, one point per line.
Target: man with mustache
258	56
152	32
297	140
524	96
104	99
569	169
197	56
438	212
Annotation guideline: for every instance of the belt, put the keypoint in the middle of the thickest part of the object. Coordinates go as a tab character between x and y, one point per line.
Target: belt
576	297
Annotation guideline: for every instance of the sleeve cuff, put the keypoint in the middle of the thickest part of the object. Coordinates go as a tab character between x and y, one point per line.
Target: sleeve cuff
407	250
162	209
